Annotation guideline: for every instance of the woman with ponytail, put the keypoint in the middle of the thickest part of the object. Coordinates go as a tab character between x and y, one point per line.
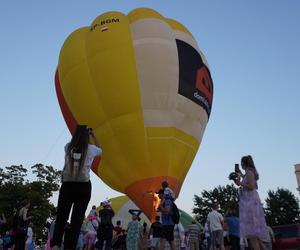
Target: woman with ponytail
75	190
252	220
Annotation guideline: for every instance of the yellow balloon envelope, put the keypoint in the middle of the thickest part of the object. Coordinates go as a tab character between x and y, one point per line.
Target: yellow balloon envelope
142	83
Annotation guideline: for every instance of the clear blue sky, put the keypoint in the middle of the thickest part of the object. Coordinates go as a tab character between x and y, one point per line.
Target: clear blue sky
253	48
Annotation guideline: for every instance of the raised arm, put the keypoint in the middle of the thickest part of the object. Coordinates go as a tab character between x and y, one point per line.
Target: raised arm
25	217
94	138
250	184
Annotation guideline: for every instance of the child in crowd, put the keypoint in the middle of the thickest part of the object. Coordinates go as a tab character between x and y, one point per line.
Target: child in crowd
93	213
118	228
90	237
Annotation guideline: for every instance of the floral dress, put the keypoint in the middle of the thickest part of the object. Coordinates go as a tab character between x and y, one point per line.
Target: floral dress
252	219
133	235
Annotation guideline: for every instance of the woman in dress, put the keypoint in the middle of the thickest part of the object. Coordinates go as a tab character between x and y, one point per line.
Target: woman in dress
252	220
76	187
133	233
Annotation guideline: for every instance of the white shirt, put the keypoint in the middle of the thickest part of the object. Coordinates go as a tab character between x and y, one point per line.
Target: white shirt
206	230
84	174
92	152
170	192
180	230
29	235
215	220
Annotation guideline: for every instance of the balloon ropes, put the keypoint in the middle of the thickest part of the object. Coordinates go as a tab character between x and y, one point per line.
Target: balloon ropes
141	82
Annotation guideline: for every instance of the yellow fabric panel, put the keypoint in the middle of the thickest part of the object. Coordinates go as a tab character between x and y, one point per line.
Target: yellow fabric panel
118	202
171	151
76	84
143	13
181	155
178	26
72	52
111	61
82	98
174	132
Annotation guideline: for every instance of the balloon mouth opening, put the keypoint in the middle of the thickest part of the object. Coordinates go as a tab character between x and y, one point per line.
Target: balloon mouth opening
143	193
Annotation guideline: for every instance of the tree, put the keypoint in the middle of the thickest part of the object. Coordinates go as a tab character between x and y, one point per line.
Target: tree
226	196
282	207
15	188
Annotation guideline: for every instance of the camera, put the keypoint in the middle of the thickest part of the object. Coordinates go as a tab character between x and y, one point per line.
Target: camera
233	175
237	172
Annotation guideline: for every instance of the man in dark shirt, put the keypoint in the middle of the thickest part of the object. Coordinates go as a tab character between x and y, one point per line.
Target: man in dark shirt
105	229
155	233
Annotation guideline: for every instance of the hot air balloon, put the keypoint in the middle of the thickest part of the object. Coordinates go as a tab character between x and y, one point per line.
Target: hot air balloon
142	83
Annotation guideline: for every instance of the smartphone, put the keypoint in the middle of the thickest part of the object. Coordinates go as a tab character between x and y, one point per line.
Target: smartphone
236	168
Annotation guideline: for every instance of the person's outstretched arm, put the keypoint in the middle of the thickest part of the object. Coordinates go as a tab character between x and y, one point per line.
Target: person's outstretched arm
94	139
25	217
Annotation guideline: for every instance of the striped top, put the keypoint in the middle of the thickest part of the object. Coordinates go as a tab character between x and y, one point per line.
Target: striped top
194	231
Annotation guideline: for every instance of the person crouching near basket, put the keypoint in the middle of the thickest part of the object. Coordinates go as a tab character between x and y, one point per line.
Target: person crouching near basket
76	186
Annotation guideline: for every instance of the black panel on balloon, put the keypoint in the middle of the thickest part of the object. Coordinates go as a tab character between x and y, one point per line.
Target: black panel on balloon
195	82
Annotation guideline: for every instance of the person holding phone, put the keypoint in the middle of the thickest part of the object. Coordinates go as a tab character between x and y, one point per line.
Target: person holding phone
252	220
75	190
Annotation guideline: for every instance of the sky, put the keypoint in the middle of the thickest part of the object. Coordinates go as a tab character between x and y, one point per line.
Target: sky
253	49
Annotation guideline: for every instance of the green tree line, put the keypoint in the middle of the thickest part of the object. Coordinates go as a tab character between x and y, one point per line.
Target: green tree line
15	187
281	206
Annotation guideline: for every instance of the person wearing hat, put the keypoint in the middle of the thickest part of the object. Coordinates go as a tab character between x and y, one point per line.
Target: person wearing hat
105	229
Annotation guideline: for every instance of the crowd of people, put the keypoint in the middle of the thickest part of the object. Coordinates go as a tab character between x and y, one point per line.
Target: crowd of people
20	236
98	232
